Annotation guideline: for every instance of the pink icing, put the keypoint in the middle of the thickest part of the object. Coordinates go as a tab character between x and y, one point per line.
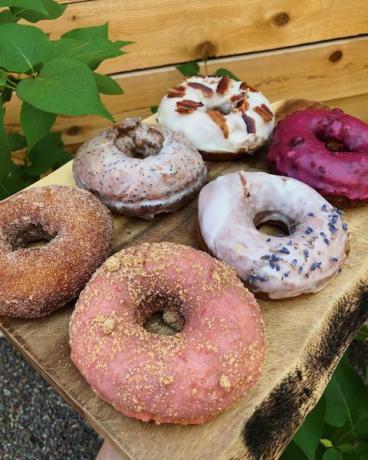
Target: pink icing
299	149
186	378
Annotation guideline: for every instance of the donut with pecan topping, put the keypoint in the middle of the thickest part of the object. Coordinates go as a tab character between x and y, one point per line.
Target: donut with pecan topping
139	169
222	117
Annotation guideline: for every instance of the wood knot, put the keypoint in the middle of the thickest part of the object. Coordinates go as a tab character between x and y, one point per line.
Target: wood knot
281	19
73	131
206	50
335	56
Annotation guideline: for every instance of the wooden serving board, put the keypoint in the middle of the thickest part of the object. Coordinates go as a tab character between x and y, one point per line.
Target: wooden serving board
306	337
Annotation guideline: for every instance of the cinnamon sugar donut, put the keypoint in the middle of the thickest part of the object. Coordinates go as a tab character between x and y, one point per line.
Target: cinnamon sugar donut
185	378
139	169
222	117
231	208
35	281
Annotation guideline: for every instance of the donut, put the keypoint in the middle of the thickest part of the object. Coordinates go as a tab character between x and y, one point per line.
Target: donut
233	206
140	170
223	118
185	378
77	228
326	149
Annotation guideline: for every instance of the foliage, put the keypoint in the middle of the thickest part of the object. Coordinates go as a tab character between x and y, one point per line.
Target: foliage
337	428
190	69
50	77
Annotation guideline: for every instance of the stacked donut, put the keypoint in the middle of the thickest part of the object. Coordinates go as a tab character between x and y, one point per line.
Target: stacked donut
209	347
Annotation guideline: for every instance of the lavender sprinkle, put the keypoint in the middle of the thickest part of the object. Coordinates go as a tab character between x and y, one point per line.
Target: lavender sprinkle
315	265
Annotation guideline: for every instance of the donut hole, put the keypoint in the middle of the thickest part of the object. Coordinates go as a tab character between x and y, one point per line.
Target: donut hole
30	236
270	223
161	314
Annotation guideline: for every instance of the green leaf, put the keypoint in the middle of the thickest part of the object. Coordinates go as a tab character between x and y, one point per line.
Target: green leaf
2	78
362	334
293	452
6	164
326	442
35	5
48	154
21	47
6	95
361	429
7	16
4	139
14	180
107	85
356	397
226	73
89	33
89	44
64	86
309	434
52	10
337	408
16	141
35	123
332	454
91	53
154	109
188	69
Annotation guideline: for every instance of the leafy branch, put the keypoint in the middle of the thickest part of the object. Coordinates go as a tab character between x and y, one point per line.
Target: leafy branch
50	77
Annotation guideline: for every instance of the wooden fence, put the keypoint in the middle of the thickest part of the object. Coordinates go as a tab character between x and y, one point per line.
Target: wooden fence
315	49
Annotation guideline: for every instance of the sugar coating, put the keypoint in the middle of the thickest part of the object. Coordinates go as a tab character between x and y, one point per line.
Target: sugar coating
139	169
231	207
298	149
36	281
239	106
184	378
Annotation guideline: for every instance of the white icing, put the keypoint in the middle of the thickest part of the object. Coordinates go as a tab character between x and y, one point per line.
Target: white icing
203	132
139	186
227	209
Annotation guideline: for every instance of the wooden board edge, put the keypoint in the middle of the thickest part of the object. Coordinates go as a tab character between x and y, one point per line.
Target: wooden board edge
277	418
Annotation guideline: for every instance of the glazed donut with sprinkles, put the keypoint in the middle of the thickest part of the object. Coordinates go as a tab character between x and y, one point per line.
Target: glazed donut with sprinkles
233	206
140	170
222	117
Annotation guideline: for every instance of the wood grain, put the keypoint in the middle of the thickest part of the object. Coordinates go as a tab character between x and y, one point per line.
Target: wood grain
305	71
306	337
178	30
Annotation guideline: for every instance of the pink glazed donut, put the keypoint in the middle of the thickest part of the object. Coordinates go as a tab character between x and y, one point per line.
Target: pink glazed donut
186	378
326	149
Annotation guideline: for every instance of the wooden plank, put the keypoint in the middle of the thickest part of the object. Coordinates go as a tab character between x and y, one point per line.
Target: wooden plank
171	31
306	337
305	71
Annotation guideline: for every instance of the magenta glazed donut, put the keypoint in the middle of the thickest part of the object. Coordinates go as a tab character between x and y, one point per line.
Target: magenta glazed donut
326	149
185	378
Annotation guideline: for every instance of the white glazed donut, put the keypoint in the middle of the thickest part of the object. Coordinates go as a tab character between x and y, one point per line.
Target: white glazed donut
232	206
139	169
223	118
